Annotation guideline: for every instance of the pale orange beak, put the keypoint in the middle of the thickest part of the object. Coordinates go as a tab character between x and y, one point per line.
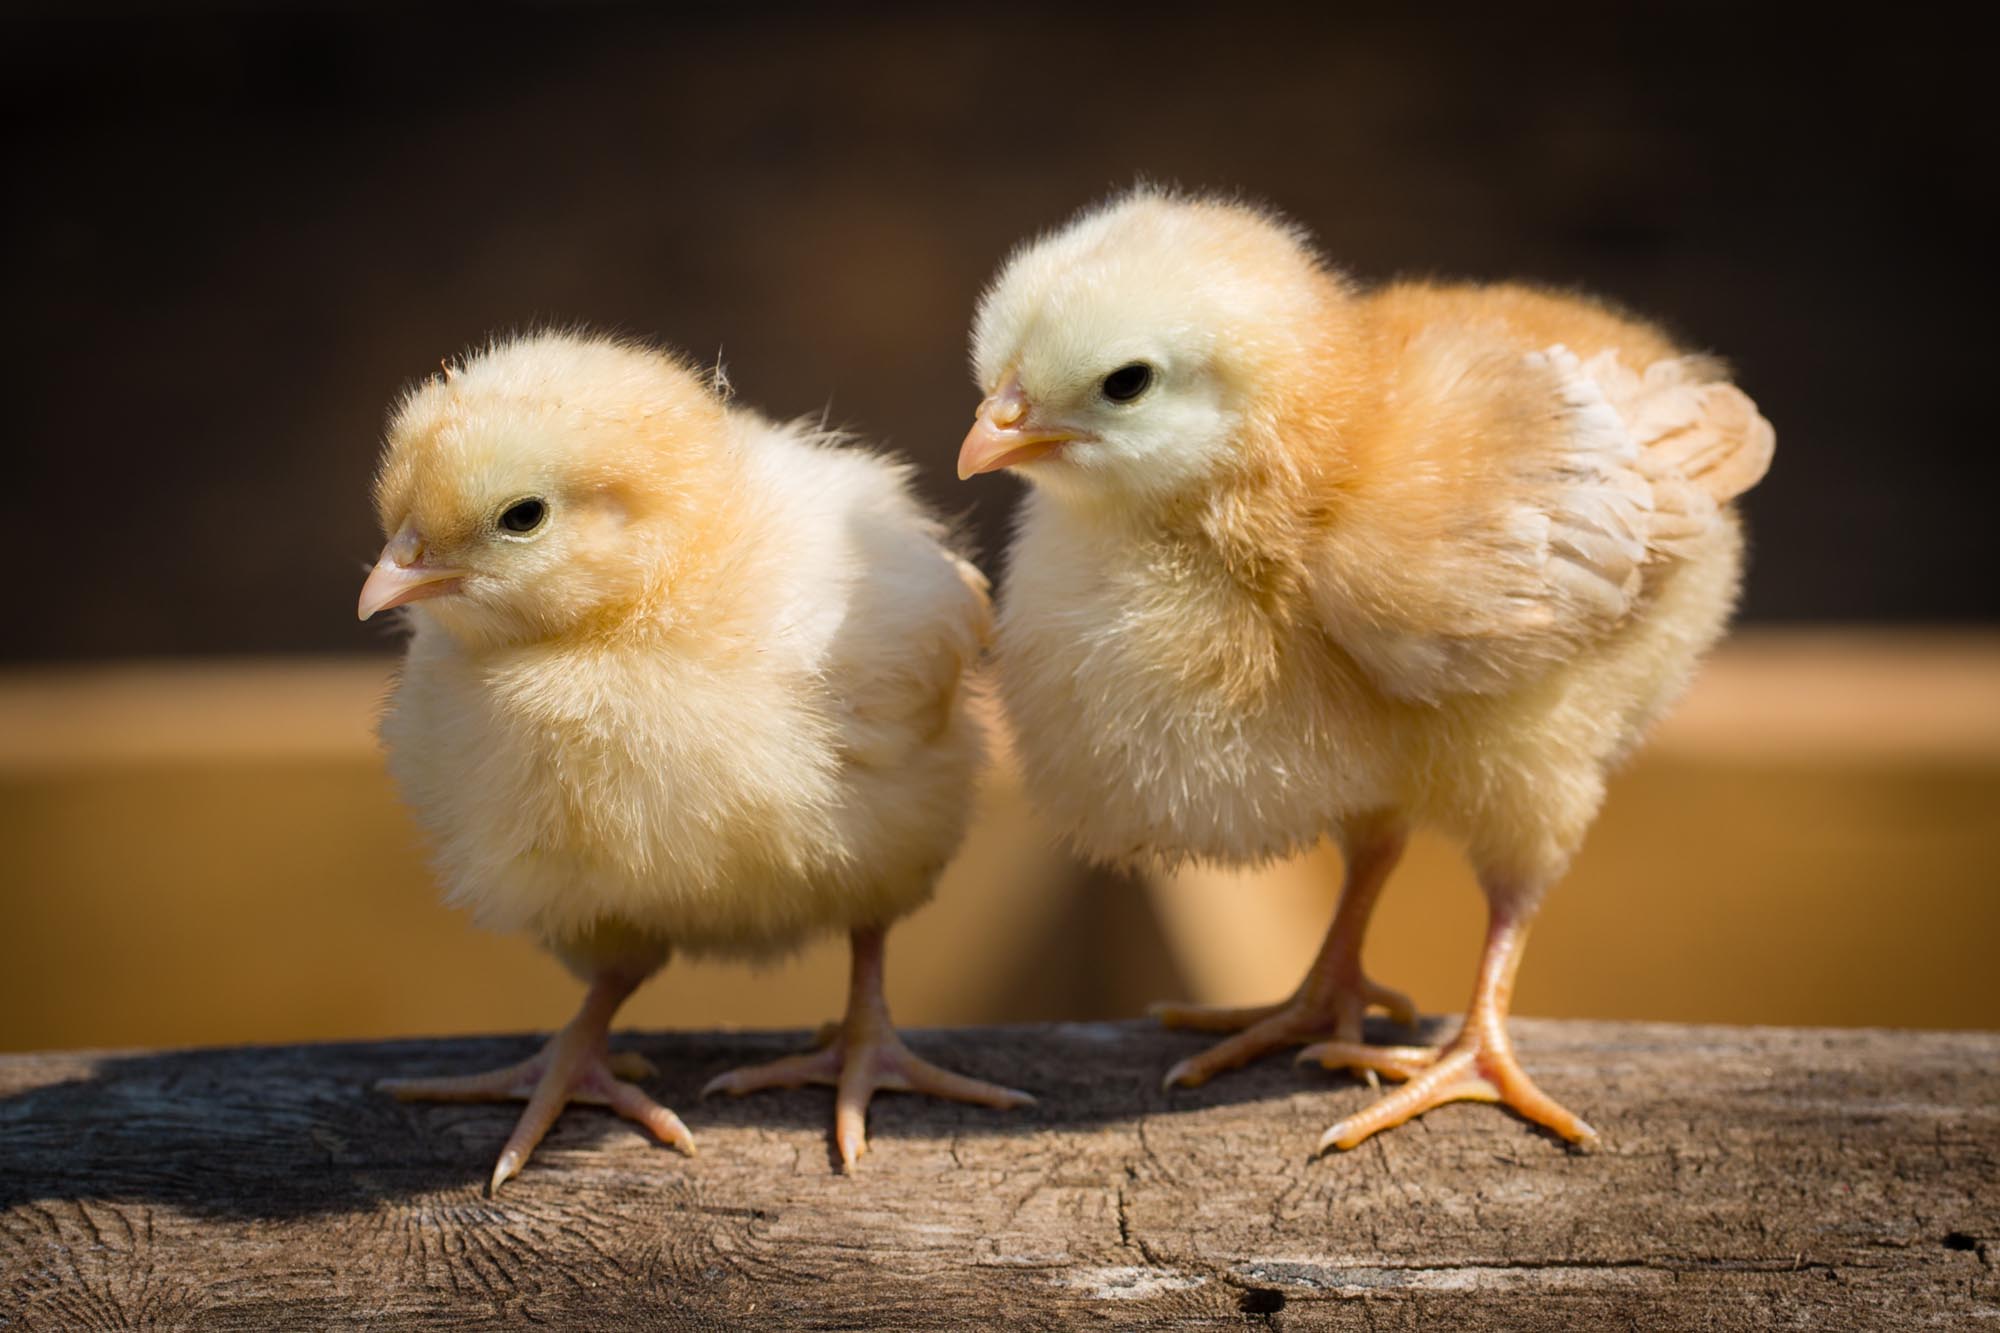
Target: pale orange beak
999	436
401	576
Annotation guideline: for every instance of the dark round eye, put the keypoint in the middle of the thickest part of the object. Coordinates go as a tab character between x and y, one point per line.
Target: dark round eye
1127	382
523	515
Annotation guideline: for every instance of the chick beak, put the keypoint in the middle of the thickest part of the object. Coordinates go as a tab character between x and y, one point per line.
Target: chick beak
402	576
1001	436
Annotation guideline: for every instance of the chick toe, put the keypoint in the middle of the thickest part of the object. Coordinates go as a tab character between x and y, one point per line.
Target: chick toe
862	1055
571	1067
1399	1064
1477	1071
1322	1008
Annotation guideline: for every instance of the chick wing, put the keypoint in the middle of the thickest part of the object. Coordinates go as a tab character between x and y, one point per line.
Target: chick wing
1535	500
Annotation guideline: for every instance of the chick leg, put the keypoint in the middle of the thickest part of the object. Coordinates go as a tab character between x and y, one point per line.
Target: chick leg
573	1067
1478	1065
1334	995
863	1055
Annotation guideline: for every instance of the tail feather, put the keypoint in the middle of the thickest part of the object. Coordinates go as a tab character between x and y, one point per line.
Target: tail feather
1732	447
1689	427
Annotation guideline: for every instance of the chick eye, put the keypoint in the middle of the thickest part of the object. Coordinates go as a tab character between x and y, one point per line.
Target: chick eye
524	515
1127	382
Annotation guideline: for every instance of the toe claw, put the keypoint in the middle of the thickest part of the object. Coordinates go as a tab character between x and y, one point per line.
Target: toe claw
504	1170
851	1141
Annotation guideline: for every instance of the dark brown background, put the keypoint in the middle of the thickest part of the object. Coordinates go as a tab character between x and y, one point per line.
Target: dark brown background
235	232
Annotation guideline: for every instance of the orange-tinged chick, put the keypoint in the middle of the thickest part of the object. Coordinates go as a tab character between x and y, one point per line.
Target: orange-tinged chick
1302	559
678	678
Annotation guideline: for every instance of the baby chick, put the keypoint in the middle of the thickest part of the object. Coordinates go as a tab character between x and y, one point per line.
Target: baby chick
678	678
1303	559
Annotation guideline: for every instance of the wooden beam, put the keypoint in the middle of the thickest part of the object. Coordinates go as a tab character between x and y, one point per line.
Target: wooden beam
1750	1178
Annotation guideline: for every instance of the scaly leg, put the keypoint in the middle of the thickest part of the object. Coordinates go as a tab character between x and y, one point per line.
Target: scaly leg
573	1067
1478	1065
1334	995
863	1055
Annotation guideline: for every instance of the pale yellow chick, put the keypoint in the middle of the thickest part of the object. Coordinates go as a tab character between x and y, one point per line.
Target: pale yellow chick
1300	559
679	678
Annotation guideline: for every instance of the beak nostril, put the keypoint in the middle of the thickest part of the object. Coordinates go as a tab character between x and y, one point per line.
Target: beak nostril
406	547
1005	407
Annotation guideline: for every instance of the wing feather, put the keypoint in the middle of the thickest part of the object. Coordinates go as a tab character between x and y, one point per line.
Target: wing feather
1604	476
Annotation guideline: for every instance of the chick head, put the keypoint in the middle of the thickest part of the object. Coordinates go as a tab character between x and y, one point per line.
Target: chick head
1123	352
542	485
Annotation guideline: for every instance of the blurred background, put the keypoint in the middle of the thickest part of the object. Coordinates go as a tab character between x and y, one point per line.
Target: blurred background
239	230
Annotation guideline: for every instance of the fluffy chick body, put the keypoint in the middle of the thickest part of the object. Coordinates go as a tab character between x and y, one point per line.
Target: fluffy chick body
760	735
680	679
1372	601
1343	563
1197	648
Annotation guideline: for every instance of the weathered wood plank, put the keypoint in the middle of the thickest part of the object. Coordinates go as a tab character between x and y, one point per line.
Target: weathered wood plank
1750	1178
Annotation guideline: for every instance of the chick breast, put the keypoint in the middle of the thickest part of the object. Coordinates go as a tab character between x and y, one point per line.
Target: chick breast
1158	714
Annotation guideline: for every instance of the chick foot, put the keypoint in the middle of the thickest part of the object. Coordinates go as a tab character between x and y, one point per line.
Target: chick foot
1478	1065
573	1067
1319	1010
1482	1069
860	1056
1334	996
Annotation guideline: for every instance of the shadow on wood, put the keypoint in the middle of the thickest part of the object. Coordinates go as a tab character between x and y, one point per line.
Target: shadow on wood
284	1132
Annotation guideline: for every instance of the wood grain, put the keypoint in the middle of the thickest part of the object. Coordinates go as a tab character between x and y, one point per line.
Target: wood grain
1751	1178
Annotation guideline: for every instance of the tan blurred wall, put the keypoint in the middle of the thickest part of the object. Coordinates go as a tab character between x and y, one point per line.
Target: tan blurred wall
210	853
